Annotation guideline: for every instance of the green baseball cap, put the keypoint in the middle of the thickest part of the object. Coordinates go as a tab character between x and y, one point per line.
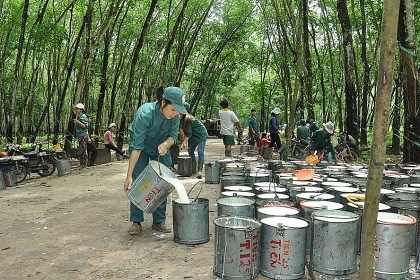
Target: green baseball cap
177	98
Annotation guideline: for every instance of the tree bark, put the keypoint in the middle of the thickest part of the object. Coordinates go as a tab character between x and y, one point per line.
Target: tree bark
352	112
380	131
409	81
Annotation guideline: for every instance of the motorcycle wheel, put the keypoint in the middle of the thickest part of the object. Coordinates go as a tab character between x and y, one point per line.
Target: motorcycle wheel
45	168
351	157
21	171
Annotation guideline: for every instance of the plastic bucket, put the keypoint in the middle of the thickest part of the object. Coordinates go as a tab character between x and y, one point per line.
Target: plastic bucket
335	234
237	248
392	253
63	167
236	206
212	173
277	211
191	221
10	179
184	166
283	247
152	187
408	208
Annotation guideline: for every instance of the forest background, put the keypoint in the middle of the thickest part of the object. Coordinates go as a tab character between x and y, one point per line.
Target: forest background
306	57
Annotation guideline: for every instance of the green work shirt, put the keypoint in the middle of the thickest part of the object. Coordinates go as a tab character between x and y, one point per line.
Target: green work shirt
302	132
81	131
253	124
320	142
196	133
150	128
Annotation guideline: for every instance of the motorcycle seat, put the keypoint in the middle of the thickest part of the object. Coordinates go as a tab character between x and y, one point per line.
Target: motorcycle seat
5	160
303	142
31	154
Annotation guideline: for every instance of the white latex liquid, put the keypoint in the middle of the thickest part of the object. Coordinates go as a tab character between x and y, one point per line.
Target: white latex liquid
180	189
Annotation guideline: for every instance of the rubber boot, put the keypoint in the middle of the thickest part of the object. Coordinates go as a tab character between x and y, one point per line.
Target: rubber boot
194	167
200	169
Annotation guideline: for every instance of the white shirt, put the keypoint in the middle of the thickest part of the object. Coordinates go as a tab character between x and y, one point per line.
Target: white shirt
227	121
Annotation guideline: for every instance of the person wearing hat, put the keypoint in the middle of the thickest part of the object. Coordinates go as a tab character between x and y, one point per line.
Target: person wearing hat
274	127
302	131
81	131
195	134
109	140
154	129
254	128
228	120
322	144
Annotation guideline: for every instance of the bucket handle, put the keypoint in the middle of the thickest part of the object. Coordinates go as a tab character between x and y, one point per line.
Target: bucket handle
194	187
355	196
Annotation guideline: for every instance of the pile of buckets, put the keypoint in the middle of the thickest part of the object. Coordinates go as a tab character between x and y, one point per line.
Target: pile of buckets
268	220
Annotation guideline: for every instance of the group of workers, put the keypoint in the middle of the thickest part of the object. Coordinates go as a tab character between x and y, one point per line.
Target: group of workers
86	151
320	139
159	125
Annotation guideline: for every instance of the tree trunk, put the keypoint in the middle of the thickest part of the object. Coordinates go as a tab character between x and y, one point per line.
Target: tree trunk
409	78
133	68
307	73
352	112
380	131
366	77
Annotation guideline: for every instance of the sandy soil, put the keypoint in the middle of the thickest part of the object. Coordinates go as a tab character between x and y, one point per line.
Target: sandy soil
75	227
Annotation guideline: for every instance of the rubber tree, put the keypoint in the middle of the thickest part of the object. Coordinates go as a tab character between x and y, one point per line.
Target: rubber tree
388	42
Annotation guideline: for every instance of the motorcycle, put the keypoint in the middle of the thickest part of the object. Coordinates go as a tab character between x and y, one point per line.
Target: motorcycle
346	148
299	149
39	161
14	163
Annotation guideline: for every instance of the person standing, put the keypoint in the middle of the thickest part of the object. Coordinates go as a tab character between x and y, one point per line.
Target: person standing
274	127
91	147
153	130
81	131
312	125
195	136
228	120
254	128
109	140
302	131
